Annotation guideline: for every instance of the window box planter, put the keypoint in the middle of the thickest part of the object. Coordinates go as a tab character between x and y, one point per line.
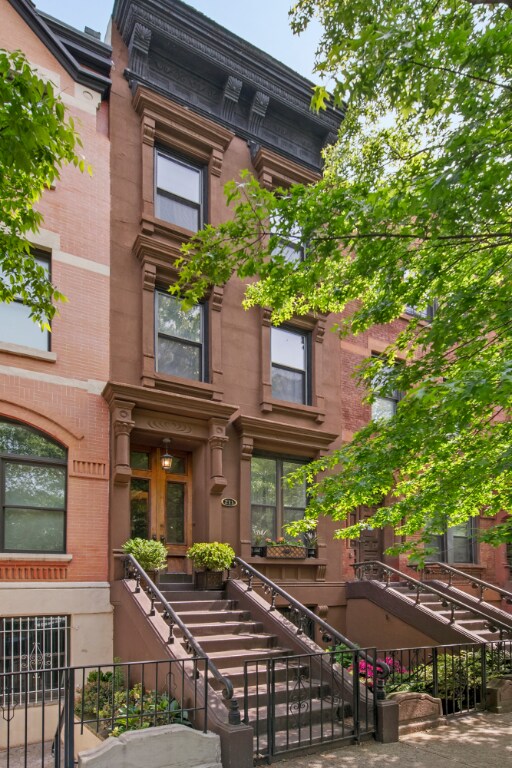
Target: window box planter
286	550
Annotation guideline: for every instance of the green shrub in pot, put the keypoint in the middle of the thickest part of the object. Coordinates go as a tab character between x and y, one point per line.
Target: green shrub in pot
151	555
212	556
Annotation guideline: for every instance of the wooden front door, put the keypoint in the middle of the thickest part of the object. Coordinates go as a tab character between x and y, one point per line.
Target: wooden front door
370	544
161	502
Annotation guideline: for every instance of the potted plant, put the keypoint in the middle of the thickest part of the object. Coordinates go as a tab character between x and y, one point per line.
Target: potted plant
151	555
311	543
214	558
259	536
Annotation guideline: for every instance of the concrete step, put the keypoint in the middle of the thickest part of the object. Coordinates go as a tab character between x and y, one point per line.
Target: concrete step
195	595
473	625
303	711
256	675
283	693
459	616
204	617
206	628
224	659
167	577
236	644
200	605
319	736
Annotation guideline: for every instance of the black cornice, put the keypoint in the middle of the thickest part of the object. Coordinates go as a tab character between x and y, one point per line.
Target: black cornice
265	101
91	79
89	51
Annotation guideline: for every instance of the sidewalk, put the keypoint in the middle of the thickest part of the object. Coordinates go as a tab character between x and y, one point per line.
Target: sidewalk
471	741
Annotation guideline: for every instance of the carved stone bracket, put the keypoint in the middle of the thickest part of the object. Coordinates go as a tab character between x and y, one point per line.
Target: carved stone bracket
217	440
216	298
330	138
258	111
231	95
122	425
138	48
246	447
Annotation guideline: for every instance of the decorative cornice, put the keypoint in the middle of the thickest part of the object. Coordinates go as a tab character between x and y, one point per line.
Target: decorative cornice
274	171
168	402
205	67
87	68
279	436
163	120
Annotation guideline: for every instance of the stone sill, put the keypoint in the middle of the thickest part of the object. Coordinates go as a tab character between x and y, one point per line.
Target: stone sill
31	352
29	557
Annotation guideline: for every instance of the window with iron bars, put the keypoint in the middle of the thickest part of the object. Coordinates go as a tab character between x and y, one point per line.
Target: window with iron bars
32	649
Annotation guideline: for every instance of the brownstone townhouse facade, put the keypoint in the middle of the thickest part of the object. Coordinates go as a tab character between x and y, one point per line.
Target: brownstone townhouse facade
242	402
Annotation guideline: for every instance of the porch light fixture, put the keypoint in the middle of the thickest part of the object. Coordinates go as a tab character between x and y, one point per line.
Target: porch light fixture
166	458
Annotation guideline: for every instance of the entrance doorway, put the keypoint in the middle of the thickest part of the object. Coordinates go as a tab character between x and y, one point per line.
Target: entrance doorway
161	501
369	546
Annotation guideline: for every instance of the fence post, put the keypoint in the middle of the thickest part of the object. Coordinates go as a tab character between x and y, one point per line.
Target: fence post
483	662
435	673
69	720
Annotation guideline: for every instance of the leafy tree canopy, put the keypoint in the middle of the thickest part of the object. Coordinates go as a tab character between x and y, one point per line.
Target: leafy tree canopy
415	207
36	139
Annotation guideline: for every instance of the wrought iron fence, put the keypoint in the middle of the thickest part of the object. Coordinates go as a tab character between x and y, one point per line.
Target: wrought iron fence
296	702
456	674
89	704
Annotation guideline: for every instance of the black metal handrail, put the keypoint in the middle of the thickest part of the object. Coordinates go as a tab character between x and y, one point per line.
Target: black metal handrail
329	633
132	567
493	625
480	583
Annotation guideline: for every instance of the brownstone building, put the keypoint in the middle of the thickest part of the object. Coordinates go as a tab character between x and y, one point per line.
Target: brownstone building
242	402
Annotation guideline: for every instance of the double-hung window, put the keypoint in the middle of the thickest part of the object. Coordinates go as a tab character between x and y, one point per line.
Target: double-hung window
16	325
385	402
290	363
180	338
32	491
274	503
179	195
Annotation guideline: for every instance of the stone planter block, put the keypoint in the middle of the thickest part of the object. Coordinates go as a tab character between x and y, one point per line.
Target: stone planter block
417	711
499	694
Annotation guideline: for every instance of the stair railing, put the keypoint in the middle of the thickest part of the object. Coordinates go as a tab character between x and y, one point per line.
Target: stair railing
386	572
303	615
132	570
474	582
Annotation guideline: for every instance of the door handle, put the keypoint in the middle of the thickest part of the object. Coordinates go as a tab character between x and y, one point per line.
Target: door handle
163	540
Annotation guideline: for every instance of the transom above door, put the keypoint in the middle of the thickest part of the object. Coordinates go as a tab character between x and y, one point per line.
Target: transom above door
160	501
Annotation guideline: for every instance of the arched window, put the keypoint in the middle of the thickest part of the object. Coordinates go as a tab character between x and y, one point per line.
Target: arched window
33	471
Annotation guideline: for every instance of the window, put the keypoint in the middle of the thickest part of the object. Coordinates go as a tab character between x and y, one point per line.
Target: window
16	325
454	546
180	343
32	490
179	196
290	352
384	405
425	314
273	503
32	649
290	248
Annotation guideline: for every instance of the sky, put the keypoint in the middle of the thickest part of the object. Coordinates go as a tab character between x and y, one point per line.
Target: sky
264	24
